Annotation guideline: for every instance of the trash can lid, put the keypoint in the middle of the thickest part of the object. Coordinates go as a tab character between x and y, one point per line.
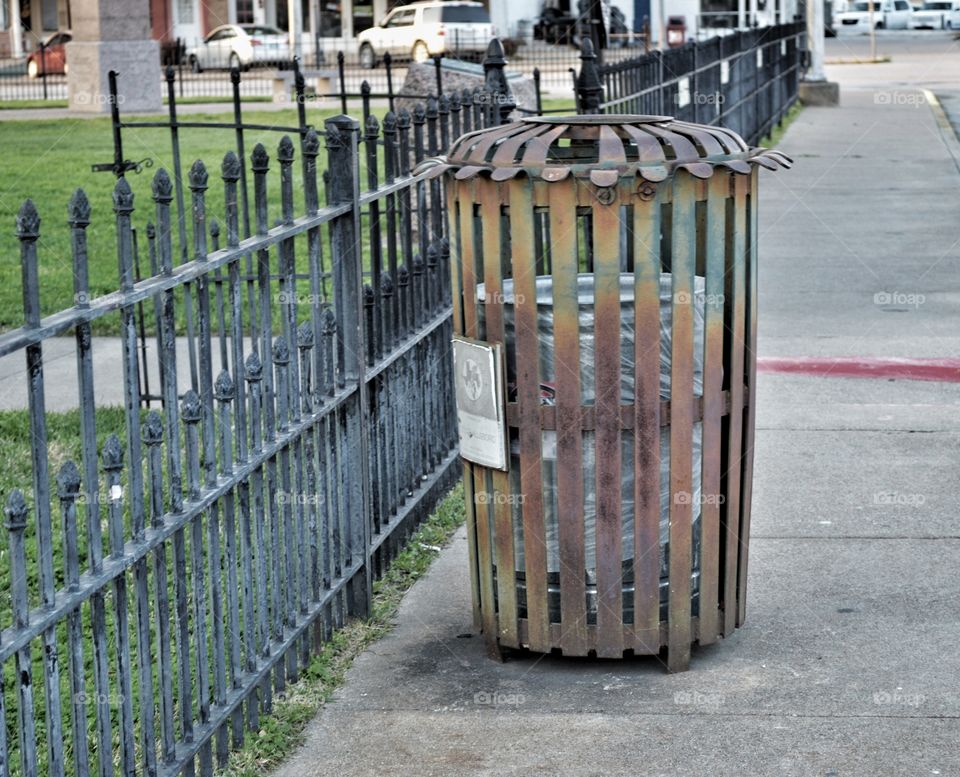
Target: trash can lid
601	147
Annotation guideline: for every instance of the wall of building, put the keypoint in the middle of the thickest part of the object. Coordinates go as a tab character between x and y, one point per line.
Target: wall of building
506	13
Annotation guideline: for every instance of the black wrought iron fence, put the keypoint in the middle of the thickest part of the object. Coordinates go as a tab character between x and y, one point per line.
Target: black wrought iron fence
745	81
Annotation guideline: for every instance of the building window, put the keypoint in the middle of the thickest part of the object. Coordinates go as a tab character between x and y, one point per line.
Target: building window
245	12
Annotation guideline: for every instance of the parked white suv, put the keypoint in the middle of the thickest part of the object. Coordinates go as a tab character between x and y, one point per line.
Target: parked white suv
420	30
887	15
937	15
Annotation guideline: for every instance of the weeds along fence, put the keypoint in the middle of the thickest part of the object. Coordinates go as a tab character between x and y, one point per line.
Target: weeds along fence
178	575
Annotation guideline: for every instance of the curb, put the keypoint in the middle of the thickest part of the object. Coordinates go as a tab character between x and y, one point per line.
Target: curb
947	132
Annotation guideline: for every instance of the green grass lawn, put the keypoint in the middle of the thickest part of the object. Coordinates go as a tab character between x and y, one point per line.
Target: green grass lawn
47	160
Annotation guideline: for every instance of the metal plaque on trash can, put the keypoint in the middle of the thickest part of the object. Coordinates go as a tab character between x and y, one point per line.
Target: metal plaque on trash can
478	371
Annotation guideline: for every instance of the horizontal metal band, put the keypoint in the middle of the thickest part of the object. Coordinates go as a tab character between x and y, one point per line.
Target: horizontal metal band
588	419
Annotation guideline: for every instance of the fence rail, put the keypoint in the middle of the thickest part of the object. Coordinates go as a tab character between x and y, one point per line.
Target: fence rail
173	576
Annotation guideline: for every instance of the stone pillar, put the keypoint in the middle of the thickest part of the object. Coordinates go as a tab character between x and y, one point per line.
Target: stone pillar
815	89
113	35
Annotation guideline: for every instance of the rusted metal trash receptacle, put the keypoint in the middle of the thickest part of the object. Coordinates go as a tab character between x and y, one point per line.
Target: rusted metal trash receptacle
605	297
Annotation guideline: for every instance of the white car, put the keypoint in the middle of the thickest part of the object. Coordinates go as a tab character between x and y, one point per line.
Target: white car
881	15
937	15
240	46
420	30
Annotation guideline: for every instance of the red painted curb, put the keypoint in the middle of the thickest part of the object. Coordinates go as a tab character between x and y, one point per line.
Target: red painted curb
939	370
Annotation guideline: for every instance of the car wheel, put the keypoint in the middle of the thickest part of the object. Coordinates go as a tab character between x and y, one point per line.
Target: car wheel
33	69
368	58
879	25
195	64
420	52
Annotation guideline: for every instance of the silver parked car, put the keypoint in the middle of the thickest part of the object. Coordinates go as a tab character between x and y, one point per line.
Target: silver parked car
240	46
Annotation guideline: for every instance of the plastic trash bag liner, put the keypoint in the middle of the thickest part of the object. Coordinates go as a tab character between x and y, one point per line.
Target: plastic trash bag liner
548	377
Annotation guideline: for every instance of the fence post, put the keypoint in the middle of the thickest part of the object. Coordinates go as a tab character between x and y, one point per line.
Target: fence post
343	82
589	87
438	69
388	66
536	87
495	83
343	163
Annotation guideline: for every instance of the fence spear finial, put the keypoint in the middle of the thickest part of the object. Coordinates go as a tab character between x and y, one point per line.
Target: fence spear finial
495	81
162	186
230	169
78	209
28	221
589	87
68	480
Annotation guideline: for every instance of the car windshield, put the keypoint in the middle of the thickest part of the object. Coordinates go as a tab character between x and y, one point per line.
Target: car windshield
866	7
936	6
253	29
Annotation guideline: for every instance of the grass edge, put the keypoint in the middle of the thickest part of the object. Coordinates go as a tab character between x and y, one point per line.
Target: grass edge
282	731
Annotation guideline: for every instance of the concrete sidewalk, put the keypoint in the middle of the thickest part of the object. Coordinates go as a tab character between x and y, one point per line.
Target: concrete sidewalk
847	664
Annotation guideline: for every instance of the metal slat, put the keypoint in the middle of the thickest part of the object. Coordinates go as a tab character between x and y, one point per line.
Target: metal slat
528	397
683	241
734	366
473	260
607	387
647	422
750	376
715	239
494	243
464	320
566	359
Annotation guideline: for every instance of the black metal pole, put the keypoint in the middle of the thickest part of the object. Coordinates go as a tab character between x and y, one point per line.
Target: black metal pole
43	67
436	64
241	153
115	124
343	84
388	64
536	86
